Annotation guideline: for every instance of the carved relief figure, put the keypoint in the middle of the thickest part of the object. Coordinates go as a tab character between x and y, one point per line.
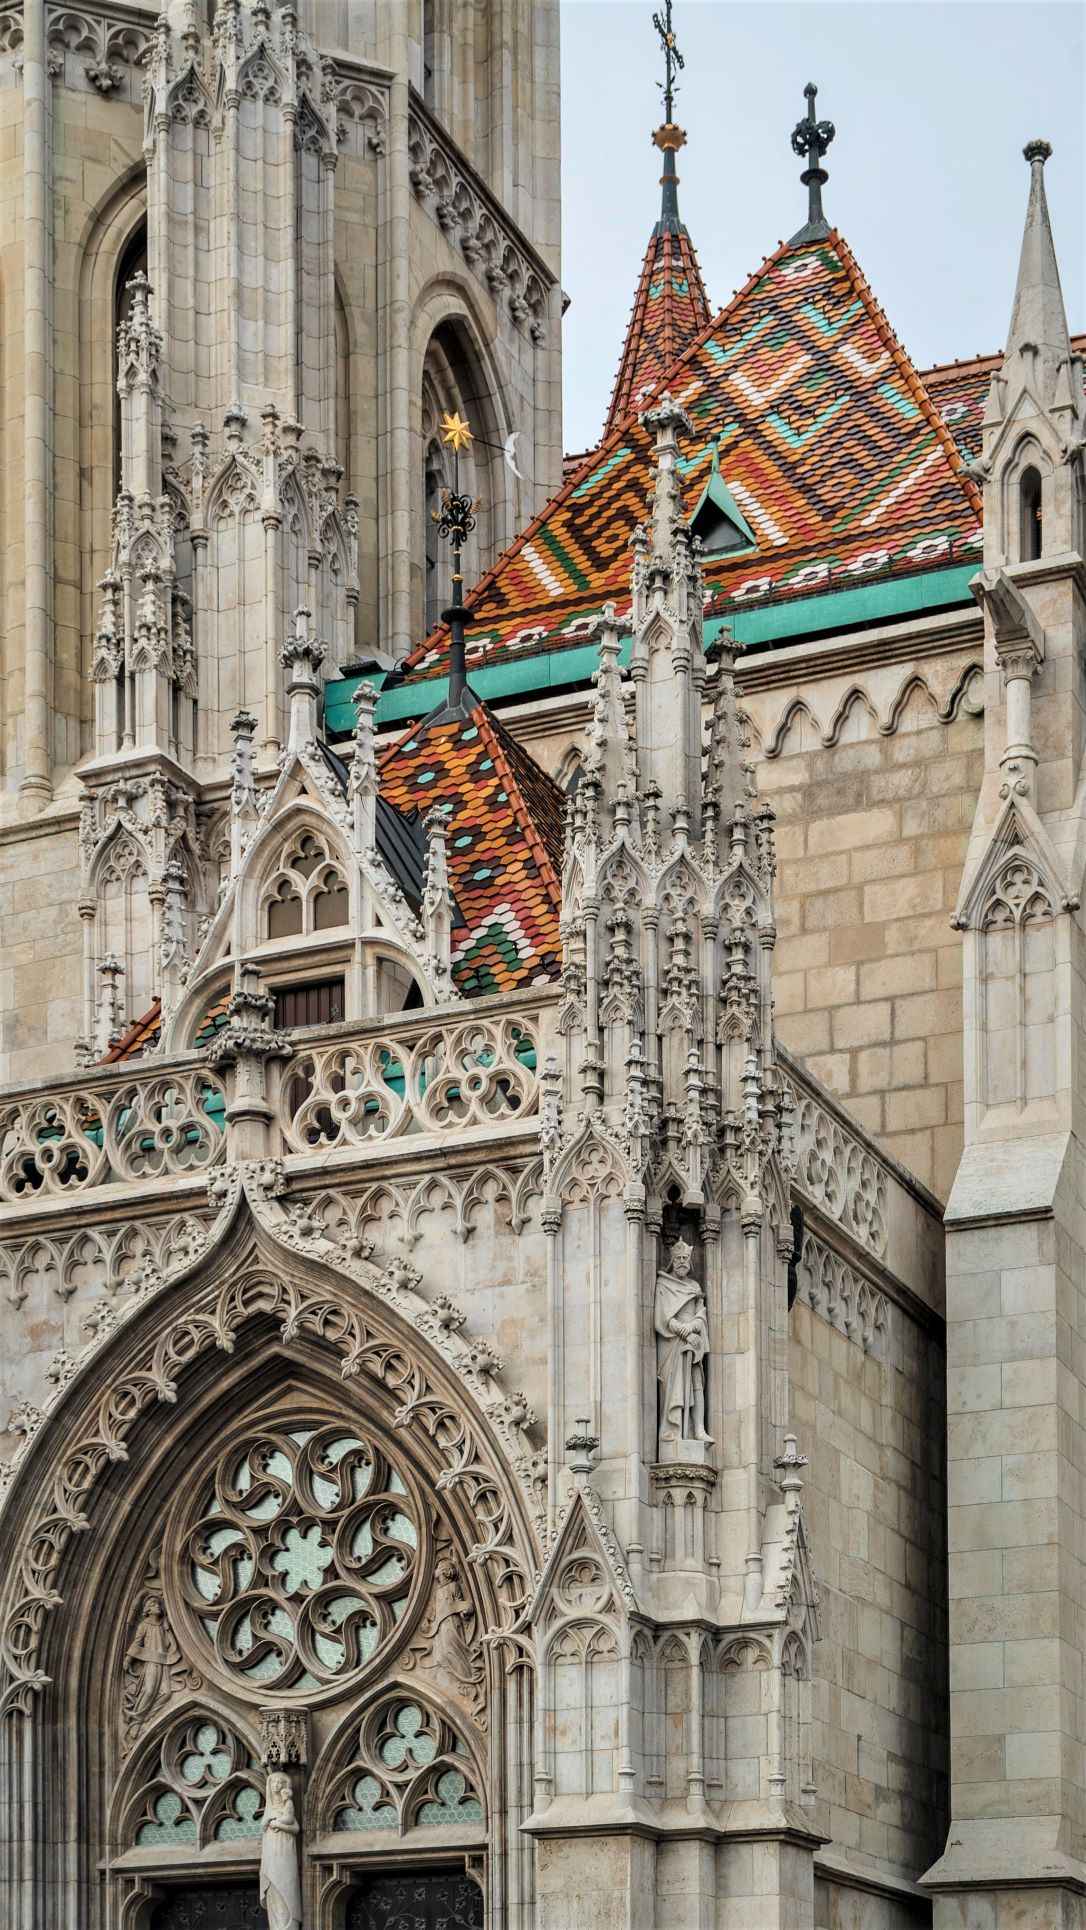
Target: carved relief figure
446	1634
682	1343
153	1664
280	1880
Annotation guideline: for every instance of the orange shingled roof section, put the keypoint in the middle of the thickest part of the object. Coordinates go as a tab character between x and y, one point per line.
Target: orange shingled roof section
670	308
504	835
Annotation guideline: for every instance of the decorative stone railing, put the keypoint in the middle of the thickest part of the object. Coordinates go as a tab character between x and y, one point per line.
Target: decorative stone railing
467	213
345	1086
837	1169
448	1076
147	1126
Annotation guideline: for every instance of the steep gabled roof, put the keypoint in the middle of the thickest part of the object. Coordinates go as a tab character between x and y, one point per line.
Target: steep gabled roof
503	842
828	442
670	310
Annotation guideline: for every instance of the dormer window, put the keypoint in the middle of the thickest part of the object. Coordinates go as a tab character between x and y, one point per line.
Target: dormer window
1030	510
718	521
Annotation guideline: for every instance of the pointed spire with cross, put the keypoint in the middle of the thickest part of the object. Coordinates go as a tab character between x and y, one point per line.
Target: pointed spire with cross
810	139
669	138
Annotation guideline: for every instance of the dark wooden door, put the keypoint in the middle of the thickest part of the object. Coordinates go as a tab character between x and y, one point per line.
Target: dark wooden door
218	1906
417	1900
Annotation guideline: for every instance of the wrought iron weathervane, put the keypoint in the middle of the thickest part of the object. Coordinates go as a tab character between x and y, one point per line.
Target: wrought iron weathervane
673	60
455	521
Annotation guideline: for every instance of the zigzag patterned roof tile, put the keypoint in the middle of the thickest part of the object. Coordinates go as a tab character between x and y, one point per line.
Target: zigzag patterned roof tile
670	309
828	442
503	842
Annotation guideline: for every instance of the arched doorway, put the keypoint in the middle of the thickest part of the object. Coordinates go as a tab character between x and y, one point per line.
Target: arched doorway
224	1906
416	1900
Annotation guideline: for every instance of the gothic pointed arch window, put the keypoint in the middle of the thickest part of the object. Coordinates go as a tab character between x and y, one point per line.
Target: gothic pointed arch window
1030	504
455	380
133	262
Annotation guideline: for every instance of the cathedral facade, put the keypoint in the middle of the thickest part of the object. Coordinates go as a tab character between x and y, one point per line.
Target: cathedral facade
541	1173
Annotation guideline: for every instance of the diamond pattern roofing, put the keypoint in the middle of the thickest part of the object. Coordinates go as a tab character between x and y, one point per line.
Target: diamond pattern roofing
828	442
670	310
504	843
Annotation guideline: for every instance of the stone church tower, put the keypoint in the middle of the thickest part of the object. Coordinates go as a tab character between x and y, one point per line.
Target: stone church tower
541	1241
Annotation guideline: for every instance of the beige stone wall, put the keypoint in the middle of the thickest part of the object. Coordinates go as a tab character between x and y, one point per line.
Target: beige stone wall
870	840
41	953
875	1500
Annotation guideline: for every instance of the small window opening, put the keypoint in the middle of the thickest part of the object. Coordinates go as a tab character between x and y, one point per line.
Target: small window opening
320	1003
330	905
1032	527
284	912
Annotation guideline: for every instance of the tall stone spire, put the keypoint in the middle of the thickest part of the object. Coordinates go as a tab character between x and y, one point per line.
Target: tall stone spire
1038	352
670	305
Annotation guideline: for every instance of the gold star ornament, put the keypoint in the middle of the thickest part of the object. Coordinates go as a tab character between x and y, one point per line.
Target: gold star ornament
455	431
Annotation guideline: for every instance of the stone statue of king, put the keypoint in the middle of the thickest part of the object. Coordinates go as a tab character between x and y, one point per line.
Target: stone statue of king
682	1343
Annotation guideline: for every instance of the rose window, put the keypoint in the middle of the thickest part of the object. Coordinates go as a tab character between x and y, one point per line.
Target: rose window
303	1560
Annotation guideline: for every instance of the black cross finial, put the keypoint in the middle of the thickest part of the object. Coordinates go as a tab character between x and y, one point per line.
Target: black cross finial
673	60
810	139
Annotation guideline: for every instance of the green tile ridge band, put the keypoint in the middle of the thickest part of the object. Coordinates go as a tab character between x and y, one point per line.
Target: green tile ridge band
867	603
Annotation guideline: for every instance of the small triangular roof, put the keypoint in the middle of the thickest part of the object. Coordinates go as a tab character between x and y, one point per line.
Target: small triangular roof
717	514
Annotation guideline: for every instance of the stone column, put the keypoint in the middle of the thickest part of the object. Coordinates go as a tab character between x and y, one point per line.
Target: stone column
37	783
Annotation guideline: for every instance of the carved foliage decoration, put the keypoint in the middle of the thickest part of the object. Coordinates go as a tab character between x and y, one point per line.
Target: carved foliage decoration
410	1768
302	1560
197	1785
88	50
152	1374
101	1258
487	245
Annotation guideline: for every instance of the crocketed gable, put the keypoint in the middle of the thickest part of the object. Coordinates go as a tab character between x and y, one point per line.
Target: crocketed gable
503	843
827	441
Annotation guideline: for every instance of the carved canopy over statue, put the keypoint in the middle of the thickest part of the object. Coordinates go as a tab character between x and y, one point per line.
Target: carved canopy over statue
682	1344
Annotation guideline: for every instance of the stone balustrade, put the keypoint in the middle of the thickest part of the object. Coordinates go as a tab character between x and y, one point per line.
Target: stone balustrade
344	1086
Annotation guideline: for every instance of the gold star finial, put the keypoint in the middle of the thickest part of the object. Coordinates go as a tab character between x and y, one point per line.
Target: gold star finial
455	431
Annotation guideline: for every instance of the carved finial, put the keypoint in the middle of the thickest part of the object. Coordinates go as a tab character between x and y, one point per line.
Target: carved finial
810	139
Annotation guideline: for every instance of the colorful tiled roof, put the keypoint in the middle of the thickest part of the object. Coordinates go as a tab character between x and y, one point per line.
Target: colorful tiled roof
828	442
140	1036
959	391
670	309
504	843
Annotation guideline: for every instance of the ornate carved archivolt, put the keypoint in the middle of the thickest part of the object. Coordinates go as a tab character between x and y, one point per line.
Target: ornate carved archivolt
98	1430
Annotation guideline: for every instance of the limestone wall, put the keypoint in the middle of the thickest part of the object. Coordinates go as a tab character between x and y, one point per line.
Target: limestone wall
870	1420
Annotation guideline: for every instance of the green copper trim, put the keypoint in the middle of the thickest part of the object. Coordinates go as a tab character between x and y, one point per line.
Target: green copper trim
866	605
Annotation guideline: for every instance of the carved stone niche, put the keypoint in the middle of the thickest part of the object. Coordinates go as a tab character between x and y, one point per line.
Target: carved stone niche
284	1738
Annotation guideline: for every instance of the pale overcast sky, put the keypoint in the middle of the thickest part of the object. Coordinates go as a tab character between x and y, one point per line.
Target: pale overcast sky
932	103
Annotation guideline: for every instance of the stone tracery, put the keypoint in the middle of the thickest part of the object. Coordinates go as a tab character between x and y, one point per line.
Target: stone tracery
303	1560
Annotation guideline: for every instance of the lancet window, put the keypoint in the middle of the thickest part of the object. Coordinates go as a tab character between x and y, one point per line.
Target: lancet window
199	1785
308	892
1030	505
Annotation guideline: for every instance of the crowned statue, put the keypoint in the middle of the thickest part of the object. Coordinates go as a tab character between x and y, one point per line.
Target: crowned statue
682	1344
280	1876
